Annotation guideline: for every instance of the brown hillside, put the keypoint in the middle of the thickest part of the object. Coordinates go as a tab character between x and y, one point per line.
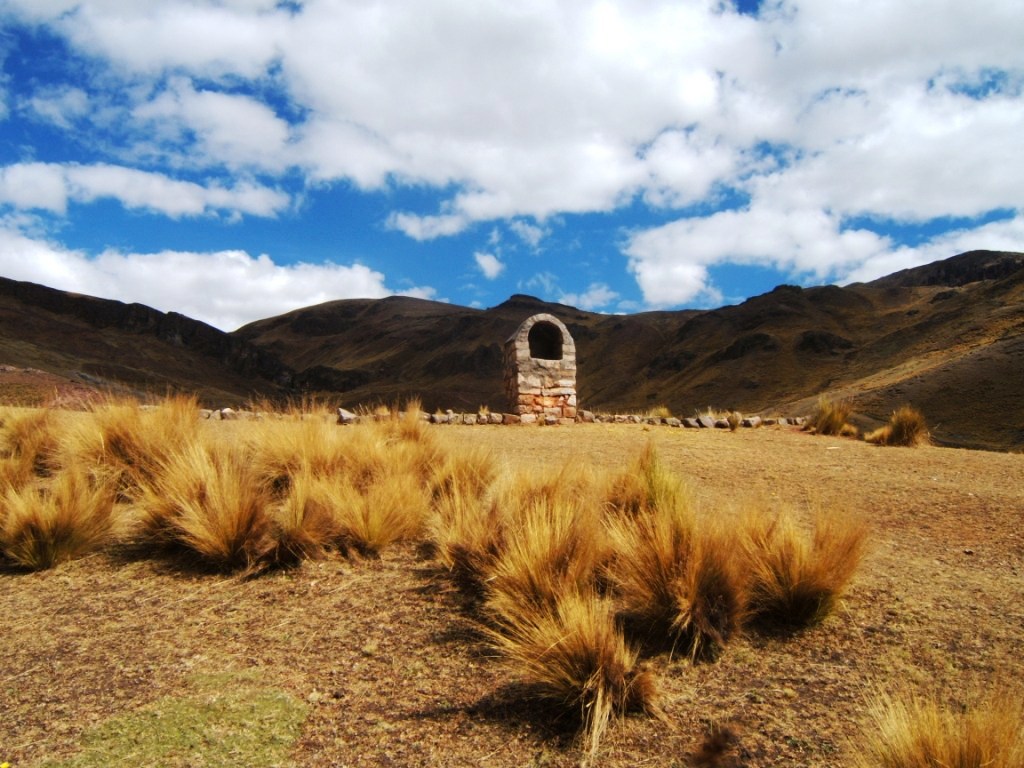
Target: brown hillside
85	342
947	337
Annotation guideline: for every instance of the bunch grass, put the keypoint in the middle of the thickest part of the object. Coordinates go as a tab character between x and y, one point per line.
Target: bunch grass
905	730
573	653
832	417
797	577
906	427
43	525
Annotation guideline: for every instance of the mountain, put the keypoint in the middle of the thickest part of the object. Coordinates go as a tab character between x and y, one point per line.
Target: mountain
88	342
947	337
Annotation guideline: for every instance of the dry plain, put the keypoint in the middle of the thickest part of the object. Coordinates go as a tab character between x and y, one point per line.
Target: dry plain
376	662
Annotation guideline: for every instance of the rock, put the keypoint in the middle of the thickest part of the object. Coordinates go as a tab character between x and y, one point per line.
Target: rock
494	418
706	422
751	421
511	418
205	413
528	418
469	418
550	419
346	417
691	423
586	417
228	414
722	424
672	421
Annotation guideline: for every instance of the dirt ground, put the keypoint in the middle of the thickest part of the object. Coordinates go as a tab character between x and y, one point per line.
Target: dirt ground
394	674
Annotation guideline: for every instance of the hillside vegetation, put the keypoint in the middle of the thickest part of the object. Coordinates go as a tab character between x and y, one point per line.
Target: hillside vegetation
446	595
946	338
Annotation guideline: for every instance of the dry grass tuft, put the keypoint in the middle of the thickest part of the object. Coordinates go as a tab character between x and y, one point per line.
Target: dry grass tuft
305	527
28	445
391	509
126	444
550	548
676	579
574	654
646	485
906	427
735	418
464	473
907	731
795	577
44	525
210	499
832	417
466	533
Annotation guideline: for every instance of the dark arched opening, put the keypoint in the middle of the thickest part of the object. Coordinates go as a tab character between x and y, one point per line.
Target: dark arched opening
545	342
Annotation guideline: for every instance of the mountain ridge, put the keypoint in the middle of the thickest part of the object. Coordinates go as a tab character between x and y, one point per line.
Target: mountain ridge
947	337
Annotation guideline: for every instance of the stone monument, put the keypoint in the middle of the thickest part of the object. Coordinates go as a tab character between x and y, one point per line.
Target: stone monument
540	369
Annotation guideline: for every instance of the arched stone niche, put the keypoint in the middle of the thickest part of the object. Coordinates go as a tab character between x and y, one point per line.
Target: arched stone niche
540	368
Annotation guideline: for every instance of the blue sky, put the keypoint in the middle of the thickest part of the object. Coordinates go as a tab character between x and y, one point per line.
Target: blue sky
235	159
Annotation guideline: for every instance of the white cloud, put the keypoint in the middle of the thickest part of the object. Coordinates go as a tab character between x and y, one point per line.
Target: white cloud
816	112
427	227
62	106
225	289
596	296
227	129
490	265
531	234
49	186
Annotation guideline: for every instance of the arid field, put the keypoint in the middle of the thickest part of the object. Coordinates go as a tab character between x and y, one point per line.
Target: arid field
295	654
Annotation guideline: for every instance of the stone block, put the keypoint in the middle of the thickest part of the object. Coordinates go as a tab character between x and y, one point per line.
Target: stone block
528	418
510	418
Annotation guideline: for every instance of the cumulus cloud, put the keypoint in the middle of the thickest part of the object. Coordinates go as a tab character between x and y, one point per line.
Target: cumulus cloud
225	288
597	296
50	186
489	264
222	129
62	106
805	122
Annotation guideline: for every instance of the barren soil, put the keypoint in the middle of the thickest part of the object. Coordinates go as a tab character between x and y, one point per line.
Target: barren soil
393	673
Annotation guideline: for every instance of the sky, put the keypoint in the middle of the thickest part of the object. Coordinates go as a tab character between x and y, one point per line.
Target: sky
236	159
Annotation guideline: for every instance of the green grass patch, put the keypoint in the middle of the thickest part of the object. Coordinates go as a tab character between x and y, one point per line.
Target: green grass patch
225	720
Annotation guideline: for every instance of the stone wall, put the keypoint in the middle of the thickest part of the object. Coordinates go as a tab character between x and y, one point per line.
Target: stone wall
540	369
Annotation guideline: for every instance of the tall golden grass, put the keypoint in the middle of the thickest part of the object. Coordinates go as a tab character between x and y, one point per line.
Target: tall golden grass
906	427
42	525
796	577
573	652
905	730
645	485
28	444
550	547
209	499
676	578
832	417
125	444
